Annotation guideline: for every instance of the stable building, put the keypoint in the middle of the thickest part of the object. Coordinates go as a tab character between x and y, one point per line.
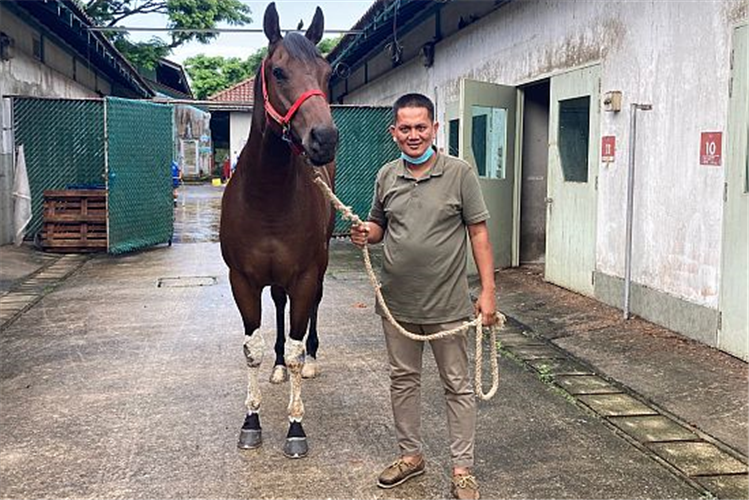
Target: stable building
610	139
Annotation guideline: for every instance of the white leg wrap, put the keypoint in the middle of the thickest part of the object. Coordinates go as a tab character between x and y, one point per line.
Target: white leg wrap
253	352
294	358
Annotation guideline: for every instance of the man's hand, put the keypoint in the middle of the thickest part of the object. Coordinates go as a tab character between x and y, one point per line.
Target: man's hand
487	307
360	234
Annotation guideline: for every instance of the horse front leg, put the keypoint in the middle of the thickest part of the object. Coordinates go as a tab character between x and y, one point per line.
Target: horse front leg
247	298
279	374
302	301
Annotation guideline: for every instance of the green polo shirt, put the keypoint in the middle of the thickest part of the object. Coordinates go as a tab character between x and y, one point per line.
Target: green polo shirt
423	274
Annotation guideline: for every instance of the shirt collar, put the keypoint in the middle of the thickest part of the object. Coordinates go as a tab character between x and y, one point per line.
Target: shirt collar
436	170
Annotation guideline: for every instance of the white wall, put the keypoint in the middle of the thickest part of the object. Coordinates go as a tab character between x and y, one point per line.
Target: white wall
239	132
673	55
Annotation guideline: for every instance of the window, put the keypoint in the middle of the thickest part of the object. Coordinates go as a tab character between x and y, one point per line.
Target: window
453	139
574	128
489	141
38	47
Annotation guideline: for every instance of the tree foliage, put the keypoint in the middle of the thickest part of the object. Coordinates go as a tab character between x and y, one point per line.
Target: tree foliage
212	74
181	14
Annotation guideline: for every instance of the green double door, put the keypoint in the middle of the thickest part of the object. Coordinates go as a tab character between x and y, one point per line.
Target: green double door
488	118
733	333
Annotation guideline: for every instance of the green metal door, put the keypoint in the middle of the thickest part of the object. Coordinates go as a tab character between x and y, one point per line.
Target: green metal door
365	145
139	181
487	141
733	334
573	169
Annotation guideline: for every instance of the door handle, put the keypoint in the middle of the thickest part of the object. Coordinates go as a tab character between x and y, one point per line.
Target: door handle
548	200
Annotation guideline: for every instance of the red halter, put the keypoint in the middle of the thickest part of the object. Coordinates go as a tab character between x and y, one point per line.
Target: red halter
285	121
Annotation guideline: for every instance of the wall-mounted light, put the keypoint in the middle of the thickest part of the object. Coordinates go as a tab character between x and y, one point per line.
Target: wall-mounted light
427	54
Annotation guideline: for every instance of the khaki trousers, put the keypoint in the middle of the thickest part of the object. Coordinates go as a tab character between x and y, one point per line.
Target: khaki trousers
451	355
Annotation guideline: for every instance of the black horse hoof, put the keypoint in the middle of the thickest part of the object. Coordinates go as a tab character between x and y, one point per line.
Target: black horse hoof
251	435
249	439
295	447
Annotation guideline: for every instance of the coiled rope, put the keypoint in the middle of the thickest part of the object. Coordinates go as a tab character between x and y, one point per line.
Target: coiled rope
348	214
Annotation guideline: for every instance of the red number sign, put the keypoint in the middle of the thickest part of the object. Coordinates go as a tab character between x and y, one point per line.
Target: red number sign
711	144
608	148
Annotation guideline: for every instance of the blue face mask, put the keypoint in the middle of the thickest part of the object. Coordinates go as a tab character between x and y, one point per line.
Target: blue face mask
419	159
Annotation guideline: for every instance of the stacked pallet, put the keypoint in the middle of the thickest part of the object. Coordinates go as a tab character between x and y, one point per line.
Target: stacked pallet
75	221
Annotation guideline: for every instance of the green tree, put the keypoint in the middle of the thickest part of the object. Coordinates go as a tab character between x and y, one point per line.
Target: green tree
327	45
209	75
181	14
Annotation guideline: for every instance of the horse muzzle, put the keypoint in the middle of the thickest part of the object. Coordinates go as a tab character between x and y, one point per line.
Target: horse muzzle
320	145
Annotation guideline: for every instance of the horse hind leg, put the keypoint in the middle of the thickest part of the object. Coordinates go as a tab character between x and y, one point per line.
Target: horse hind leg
311	368
279	374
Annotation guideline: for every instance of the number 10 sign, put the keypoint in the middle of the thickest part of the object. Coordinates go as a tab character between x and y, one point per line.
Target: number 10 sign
710	148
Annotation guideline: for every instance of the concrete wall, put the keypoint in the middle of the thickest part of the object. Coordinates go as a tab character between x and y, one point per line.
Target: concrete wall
58	74
239	132
674	55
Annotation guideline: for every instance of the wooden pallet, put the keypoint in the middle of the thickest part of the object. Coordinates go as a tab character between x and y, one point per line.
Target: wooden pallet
75	221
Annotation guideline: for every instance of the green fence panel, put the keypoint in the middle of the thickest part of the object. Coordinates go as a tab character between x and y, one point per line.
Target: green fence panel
139	154
365	145
63	143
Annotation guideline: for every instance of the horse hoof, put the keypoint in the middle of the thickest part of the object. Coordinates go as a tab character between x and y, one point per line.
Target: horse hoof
279	375
249	439
295	447
310	370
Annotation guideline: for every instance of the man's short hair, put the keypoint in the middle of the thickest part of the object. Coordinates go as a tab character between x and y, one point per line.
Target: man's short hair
413	101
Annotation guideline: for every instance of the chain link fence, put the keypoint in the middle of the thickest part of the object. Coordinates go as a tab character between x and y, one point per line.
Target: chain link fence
121	145
63	144
364	147
139	179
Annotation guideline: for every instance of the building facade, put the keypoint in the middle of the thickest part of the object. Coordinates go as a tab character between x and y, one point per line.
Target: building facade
610	139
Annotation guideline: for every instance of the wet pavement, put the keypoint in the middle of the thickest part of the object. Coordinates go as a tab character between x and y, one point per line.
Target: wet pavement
127	380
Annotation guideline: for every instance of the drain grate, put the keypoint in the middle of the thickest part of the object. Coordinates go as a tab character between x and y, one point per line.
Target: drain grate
187	281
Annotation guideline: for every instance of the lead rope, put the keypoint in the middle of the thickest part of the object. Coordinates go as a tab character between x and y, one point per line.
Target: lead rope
348	214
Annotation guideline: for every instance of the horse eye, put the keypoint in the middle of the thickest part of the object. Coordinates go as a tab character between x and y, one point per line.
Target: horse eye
279	74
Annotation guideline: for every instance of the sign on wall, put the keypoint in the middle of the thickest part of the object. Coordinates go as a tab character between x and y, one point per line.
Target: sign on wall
608	148
711	144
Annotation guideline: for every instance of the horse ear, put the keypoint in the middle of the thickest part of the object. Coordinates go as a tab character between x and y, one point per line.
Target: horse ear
315	31
270	24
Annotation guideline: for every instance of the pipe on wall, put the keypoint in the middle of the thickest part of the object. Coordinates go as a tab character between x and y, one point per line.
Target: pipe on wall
634	107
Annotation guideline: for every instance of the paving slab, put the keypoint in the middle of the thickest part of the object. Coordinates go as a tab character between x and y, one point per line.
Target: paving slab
734	487
653	428
560	366
529	352
585	384
616	405
699	459
517	339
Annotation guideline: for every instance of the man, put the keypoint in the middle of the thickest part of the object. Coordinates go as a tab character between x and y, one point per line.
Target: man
422	205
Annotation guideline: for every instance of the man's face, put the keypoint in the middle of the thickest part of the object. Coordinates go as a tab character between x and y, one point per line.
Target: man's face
413	131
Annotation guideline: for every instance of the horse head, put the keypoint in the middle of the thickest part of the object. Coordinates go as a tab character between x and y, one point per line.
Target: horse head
295	82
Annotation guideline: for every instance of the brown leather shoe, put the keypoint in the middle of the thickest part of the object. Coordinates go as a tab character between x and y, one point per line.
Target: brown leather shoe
465	487
399	472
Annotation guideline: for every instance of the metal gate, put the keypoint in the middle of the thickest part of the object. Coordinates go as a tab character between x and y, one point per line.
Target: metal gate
120	145
365	146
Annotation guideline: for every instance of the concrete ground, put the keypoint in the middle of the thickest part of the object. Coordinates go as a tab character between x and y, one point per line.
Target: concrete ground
123	377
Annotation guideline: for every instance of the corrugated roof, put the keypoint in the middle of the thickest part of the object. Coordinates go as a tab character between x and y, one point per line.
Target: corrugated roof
240	92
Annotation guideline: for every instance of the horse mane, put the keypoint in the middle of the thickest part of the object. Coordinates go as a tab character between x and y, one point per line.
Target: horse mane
300	47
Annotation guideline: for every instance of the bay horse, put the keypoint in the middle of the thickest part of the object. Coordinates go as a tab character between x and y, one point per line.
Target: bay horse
275	222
